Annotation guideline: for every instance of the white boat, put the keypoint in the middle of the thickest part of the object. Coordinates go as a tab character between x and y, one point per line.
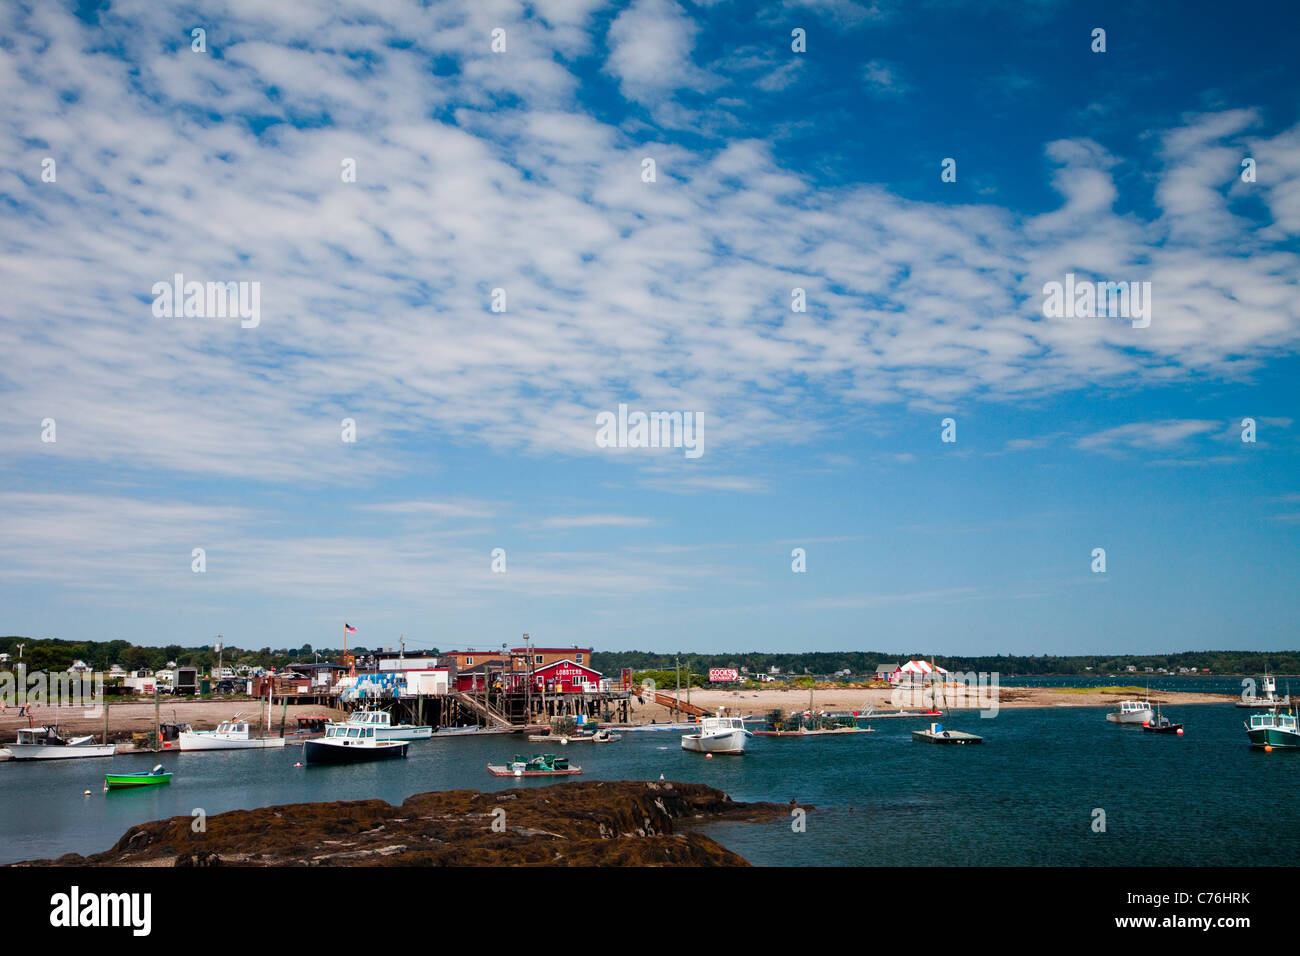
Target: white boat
718	735
46	743
351	743
230	735
1132	712
1269	698
385	729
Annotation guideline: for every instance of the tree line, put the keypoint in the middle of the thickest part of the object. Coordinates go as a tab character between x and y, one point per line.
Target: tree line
53	654
865	662
57	654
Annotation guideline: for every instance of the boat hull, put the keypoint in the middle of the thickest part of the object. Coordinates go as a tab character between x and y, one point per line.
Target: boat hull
946	737
201	741
1162	728
499	771
403	733
320	752
1274	737
564	740
131	781
1132	717
55	752
731	743
1263	703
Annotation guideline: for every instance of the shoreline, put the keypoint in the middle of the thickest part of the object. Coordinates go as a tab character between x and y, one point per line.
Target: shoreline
588	823
759	702
129	717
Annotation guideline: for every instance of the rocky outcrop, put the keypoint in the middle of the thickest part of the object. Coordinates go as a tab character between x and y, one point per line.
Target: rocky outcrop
596	823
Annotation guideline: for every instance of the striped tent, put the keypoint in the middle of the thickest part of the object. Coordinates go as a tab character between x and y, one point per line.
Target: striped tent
916	670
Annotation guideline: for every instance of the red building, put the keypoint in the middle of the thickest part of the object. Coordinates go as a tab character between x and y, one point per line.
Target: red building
566	677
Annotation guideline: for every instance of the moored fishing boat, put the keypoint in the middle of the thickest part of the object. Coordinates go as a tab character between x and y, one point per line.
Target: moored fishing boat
232	734
1273	730
146	778
576	737
1162	725
1132	712
1269	698
47	743
385	729
344	744
718	735
541	765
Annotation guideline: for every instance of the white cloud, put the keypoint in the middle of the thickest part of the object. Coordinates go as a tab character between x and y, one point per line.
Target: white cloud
881	79
596	521
650	47
1148	435
676	295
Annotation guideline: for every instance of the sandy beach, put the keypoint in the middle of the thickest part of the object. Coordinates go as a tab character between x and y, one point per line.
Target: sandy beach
789	699
132	717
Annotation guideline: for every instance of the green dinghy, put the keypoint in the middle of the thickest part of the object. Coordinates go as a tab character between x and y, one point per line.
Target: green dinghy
129	781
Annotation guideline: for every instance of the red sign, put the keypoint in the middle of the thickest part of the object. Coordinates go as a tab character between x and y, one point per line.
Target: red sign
718	674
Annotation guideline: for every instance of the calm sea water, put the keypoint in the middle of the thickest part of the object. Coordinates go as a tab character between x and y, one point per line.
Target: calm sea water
1026	796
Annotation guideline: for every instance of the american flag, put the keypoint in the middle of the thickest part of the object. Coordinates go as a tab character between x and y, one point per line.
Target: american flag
348	628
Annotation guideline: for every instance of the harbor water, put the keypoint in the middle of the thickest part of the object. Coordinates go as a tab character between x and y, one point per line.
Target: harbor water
1036	792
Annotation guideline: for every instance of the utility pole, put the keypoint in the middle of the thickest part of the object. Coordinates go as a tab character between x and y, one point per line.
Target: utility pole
677	699
528	679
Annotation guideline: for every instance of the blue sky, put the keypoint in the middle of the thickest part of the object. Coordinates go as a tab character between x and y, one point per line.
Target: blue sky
775	170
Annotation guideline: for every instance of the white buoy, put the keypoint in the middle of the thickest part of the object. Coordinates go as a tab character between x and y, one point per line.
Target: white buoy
86	794
708	756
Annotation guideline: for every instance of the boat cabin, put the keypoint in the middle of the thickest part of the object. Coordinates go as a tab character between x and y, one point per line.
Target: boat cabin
351	731
716	725
1134	706
370	718
40	736
1274	721
233	728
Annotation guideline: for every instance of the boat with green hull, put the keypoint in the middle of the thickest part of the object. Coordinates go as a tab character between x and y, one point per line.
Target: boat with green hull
131	781
1274	729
